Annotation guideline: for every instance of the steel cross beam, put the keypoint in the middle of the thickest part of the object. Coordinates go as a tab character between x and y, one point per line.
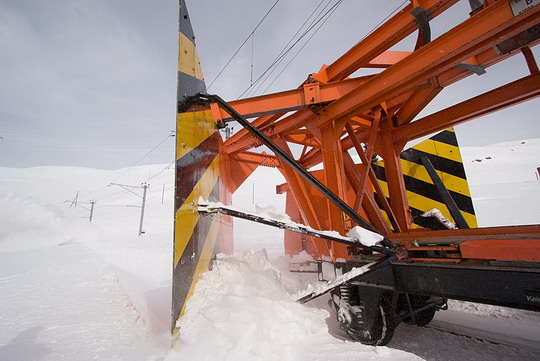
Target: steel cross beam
390	33
308	95
460	235
505	96
494	24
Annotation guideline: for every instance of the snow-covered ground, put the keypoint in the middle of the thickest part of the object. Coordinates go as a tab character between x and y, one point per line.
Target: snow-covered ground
77	290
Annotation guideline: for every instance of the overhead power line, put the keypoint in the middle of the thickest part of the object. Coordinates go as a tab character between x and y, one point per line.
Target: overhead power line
281	56
244	43
144	156
330	12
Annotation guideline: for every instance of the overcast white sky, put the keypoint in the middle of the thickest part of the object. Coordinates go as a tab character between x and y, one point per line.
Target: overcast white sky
93	82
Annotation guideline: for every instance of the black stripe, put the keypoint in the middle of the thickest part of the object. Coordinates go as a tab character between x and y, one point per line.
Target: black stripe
183	273
429	190
416	214
192	166
184	25
189	85
446	137
441	164
379	171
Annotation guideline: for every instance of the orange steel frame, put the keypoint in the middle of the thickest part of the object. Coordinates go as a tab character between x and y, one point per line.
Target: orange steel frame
331	113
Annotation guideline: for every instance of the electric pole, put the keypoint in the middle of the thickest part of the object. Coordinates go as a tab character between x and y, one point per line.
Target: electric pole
144	186
92	202
163	194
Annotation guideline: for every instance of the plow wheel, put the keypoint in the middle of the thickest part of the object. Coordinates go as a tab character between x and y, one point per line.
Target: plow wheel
381	330
366	314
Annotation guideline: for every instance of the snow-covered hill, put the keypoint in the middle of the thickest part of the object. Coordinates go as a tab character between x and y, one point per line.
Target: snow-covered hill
78	290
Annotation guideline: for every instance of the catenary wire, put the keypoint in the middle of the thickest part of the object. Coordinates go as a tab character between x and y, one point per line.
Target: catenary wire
242	45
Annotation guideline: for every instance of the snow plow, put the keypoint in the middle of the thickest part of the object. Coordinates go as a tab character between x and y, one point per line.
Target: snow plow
404	236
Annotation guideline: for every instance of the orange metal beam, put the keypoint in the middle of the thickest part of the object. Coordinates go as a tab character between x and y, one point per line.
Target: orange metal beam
334	179
507	95
394	177
303	137
299	190
368	154
390	33
291	100
262	159
415	103
387	59
460	235
292	122
245	138
369	205
483	30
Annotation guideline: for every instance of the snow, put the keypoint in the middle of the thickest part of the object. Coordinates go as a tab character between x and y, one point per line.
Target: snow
439	216
365	236
261	321
77	290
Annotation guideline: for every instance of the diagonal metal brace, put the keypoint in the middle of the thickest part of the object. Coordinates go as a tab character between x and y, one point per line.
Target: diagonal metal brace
445	194
353	275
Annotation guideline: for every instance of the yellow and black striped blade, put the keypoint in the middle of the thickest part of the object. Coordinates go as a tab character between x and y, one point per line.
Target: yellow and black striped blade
197	175
443	151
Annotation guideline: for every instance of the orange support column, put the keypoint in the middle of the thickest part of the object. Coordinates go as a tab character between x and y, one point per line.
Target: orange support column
394	177
334	173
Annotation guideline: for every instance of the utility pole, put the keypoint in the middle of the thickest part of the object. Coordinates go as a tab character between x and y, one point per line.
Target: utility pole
92	202
163	194
144	186
75	202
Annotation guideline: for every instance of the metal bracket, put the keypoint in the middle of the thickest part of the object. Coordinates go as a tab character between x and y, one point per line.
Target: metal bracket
422	19
477	69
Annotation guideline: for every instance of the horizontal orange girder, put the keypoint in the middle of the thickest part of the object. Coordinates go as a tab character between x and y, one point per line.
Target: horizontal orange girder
263	159
510	249
460	235
282	102
292	122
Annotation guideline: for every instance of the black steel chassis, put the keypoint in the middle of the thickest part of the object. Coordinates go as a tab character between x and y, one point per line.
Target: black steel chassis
412	292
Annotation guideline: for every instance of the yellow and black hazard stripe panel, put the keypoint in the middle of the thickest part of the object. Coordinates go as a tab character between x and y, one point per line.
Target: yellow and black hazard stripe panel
197	175
443	151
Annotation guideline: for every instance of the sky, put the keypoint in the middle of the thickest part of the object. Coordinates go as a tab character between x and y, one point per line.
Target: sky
92	83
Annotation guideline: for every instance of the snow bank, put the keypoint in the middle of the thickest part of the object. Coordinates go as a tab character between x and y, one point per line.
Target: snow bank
242	310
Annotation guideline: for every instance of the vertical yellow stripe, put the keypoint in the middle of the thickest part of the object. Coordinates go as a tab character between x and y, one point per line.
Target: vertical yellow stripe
193	129
188	59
